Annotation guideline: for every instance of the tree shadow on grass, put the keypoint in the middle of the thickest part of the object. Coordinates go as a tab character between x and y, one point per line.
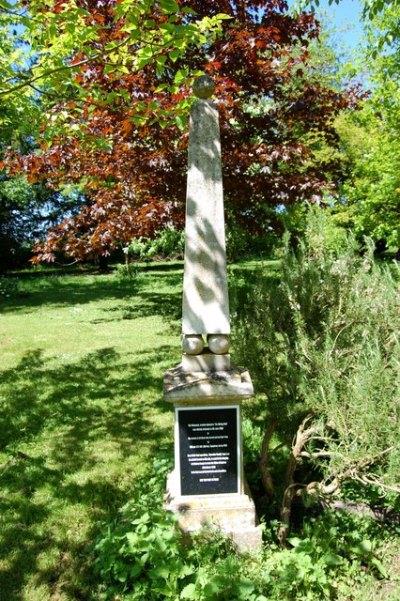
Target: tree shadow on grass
60	291
68	434
167	305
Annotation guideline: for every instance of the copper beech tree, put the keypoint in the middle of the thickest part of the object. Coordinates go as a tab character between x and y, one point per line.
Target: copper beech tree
125	149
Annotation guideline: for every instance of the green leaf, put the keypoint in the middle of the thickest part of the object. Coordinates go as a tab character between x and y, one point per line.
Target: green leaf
380	567
169	6
223	17
174	54
180	121
136	570
160	572
189	592
294	541
363	548
180	76
331	559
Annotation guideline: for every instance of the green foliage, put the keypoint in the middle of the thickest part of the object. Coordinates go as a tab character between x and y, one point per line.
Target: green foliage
142	555
323	341
369	201
142	552
79	453
45	45
19	112
241	243
169	243
26	210
128	272
371	8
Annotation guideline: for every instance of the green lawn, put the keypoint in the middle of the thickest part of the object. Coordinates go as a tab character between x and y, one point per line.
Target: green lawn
81	414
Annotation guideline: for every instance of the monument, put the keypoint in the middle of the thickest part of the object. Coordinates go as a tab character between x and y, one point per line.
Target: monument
207	484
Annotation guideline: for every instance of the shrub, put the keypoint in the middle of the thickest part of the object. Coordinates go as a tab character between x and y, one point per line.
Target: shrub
322	345
169	243
144	555
127	271
241	243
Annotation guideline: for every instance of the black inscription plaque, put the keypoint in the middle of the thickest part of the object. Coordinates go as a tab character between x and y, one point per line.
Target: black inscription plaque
208	450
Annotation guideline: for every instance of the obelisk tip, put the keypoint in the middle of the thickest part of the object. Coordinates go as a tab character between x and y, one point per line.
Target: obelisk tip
204	87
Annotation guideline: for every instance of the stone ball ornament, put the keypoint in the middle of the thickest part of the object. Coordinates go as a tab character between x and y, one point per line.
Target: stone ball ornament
192	344
203	87
218	343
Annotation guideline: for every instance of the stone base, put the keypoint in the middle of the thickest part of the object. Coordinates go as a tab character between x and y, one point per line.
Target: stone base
233	514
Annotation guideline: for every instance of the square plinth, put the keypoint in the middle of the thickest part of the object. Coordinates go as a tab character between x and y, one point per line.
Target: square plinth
202	386
233	514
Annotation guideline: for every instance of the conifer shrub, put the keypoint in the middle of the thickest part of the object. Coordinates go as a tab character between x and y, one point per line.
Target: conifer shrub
322	344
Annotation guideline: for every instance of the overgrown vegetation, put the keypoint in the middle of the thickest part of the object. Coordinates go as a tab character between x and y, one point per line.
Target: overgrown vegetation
142	555
320	339
82	416
322	345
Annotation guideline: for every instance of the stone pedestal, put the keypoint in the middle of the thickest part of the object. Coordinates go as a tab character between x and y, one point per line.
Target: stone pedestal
207	485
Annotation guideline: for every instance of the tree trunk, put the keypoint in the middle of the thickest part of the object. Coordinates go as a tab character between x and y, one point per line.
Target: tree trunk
302	437
102	263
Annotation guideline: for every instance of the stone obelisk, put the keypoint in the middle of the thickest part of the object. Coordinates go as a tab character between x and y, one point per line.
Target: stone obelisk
205	306
207	484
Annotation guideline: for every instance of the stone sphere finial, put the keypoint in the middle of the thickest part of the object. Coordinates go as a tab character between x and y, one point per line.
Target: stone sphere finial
204	87
218	343
192	344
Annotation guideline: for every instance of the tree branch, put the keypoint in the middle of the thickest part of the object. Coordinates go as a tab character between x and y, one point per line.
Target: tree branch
303	435
28	81
266	477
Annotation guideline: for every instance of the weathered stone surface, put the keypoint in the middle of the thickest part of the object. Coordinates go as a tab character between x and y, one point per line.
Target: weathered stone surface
205	362
204	87
205	305
231	385
233	514
193	344
218	343
205	384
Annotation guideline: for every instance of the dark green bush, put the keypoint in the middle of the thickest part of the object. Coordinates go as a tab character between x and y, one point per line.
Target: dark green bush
242	244
8	287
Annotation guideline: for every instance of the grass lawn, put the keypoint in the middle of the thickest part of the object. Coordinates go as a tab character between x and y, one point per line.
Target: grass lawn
81	415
